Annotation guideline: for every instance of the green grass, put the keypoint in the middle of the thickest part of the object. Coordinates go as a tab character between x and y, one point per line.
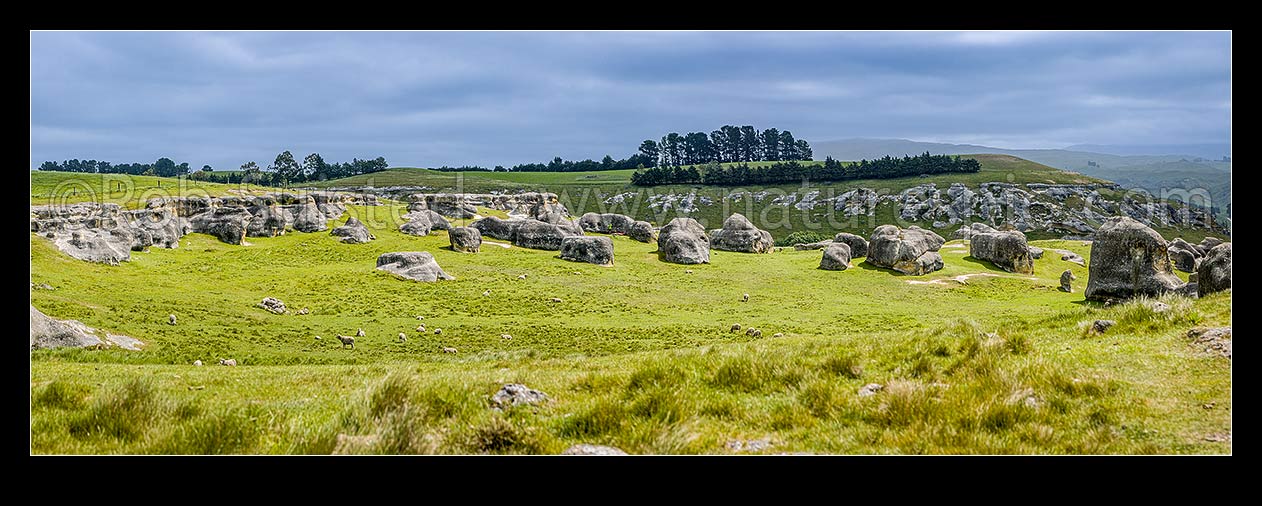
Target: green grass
50	187
637	355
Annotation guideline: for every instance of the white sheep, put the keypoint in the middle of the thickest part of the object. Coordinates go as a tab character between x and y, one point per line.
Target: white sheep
505	337
523	276
171	319
318	338
403	338
359	333
745	298
438	332
449	350
750	331
688	271
229	362
554	299
778	334
419	317
757	333
347	341
486	293
420	329
197	363
736	327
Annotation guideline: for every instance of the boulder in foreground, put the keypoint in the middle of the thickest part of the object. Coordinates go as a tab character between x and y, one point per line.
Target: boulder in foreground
1128	259
414	265
684	241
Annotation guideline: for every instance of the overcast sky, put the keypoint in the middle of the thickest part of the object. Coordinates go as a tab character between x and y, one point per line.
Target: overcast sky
453	98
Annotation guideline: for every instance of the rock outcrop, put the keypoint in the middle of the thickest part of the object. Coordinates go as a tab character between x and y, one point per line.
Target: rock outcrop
607	223
836	257
739	234
1007	250
47	332
516	394
1184	256
684	241
228	224
535	234
591	249
436	221
491	226
273	305
912	251
642	231
414	265
1128	259
418	224
1214	273
858	245
308	218
353	232
465	239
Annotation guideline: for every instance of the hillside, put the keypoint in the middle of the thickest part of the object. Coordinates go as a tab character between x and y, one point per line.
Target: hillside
49	187
1153	173
637	355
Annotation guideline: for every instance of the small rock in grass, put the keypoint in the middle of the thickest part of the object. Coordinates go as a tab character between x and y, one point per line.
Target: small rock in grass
870	389
516	394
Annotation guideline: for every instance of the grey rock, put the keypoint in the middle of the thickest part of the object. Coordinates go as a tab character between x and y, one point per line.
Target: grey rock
812	246
1208	243
836	257
47	332
1215	340
537	234
308	218
414	265
858	245
593	250
1066	281
497	228
1184	256
418	224
739	234
353	232
273	304
267	219
436	221
606	223
1214	273
1072	257
1036	252
228	224
870	389
465	239
642	231
1129	259
911	251
592	450
516	394
1007	250
684	241
1100	326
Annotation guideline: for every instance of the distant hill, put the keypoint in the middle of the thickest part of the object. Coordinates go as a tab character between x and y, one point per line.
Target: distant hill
1154	173
1206	151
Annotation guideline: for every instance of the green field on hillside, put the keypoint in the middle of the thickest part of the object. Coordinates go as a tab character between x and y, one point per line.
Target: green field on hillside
51	187
637	355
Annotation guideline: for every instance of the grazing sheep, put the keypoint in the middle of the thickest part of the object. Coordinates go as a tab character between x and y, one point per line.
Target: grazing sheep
229	362
750	331
688	271
523	276
318	338
403	338
303	311
778	334
419	317
486	293
554	299
745	298
420	329
505	337
438	332
449	350
197	363
171	319
347	341
757	333
736	327
359	333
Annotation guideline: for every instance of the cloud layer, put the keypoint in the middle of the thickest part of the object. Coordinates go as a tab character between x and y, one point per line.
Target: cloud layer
435	98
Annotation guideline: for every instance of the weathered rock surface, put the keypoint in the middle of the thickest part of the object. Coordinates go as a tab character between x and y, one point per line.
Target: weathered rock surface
1214	340
910	251
533	205
436	221
414	265
812	246
418	224
858	245
537	234
228	224
1129	259
739	234
47	332
1066	281
1184	256
491	226
1007	250
308	218
591	249
353	232
1036	252
465	239
267	219
642	231
607	223
836	257
684	241
273	304
1214	273
516	394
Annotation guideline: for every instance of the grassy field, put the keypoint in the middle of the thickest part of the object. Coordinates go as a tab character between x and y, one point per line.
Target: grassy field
50	187
637	355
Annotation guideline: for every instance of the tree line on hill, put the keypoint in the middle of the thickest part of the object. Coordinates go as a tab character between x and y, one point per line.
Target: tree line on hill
715	173
284	170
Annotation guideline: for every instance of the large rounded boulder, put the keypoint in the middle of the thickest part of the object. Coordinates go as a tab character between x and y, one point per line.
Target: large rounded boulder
1184	256
465	239
836	257
606	223
642	231
414	265
1214	273
684	241
491	226
353	232
739	234
535	234
308	218
418	224
591	249
858	245
1008	250
912	251
228	224
1128	259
